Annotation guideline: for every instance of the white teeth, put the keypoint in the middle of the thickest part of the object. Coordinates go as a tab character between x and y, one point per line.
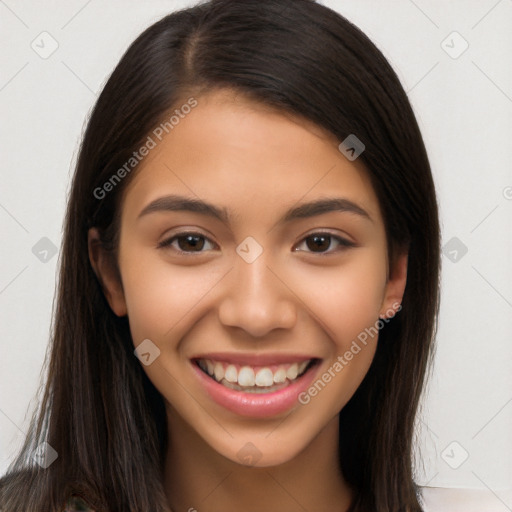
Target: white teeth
293	371
302	366
253	389
264	377
280	376
231	374
246	376
218	371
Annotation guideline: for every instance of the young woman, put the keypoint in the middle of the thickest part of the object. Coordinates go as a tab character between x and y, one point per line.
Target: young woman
249	278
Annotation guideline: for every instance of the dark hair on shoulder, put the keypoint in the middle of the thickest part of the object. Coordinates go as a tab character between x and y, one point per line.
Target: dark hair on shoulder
99	411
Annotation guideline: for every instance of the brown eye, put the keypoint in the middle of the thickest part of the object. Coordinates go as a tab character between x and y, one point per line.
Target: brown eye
190	242
321	242
187	243
318	242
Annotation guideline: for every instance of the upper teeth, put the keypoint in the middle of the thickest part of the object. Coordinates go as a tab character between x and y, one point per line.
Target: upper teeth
251	376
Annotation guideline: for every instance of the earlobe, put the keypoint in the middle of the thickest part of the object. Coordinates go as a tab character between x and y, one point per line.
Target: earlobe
107	273
395	287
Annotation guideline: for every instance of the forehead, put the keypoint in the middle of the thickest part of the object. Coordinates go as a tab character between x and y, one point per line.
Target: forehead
248	157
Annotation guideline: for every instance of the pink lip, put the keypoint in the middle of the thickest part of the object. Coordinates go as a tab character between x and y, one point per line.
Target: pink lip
252	404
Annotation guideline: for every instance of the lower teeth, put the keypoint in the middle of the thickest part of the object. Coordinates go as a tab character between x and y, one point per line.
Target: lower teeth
254	389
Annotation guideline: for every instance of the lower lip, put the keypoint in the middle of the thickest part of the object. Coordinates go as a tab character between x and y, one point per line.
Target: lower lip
256	405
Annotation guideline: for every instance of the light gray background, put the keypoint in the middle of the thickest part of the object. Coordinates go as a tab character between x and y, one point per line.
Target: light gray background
464	108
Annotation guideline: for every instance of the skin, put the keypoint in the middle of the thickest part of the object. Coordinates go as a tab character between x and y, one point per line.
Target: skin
256	163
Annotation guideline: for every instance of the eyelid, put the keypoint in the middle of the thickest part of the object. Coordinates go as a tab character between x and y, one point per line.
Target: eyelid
166	242
343	242
345	237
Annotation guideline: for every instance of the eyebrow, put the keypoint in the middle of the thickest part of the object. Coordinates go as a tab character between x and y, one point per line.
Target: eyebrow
302	211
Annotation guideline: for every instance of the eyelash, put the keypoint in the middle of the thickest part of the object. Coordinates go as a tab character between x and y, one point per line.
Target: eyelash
345	244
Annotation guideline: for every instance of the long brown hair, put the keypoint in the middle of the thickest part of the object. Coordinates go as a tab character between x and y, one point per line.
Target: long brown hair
99	411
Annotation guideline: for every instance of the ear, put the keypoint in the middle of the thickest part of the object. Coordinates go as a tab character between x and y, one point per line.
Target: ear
395	286
107	273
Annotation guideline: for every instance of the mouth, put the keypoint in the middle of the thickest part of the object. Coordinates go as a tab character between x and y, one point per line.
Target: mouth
254	379
257	386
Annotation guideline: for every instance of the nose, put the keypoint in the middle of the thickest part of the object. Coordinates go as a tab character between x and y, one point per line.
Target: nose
257	299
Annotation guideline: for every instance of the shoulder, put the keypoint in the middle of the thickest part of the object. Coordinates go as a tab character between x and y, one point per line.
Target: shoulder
77	504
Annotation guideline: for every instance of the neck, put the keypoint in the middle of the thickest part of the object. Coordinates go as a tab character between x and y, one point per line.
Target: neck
197	478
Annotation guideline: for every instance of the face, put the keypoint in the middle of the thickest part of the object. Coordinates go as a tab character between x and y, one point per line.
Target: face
255	301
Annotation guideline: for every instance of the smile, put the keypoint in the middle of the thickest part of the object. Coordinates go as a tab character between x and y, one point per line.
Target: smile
258	386
253	379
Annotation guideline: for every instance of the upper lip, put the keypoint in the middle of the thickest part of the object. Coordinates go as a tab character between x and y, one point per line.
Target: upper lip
255	359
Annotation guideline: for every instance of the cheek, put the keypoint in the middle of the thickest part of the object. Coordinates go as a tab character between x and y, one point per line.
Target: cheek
347	304
159	296
346	299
